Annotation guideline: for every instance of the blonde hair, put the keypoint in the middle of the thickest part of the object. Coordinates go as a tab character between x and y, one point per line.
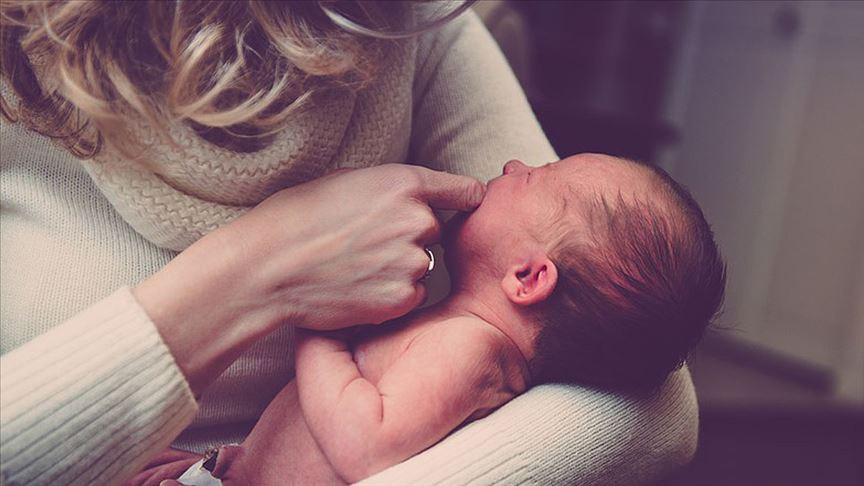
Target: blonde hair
231	70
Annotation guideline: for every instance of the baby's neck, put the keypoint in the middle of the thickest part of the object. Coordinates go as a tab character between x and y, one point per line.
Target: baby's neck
488	309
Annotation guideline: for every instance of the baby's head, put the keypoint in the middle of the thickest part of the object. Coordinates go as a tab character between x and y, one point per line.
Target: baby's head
610	263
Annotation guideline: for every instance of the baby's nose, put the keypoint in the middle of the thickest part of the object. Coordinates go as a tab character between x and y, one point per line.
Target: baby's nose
513	166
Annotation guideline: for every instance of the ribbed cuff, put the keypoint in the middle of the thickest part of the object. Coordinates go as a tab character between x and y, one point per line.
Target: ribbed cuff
560	434
89	401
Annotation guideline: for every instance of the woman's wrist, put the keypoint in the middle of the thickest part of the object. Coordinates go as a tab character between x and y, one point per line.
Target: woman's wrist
198	305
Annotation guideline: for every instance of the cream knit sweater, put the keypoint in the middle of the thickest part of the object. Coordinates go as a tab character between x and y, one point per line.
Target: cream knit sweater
88	391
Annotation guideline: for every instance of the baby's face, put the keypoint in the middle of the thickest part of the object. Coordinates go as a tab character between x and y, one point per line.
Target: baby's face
524	203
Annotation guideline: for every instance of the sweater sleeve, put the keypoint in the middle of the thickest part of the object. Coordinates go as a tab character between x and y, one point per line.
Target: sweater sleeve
558	434
90	401
470	115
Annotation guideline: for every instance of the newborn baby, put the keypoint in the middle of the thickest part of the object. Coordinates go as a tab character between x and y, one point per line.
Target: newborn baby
593	270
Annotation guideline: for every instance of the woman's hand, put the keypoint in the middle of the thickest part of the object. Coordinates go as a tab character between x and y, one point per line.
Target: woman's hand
347	249
342	250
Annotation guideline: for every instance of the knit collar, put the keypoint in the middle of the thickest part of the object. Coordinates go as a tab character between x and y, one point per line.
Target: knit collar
196	187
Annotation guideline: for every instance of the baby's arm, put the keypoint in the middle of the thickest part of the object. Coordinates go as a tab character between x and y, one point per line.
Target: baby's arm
435	385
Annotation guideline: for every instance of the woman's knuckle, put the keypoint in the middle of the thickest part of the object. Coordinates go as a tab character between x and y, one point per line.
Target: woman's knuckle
409	179
415	266
419	293
406	294
421	222
428	220
434	226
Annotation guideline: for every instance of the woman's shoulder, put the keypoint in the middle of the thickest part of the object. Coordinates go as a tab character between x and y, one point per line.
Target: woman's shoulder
435	43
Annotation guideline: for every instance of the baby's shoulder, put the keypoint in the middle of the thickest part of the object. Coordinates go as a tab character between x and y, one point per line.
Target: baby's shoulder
467	337
488	352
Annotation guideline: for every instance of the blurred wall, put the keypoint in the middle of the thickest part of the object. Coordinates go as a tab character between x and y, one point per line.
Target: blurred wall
768	98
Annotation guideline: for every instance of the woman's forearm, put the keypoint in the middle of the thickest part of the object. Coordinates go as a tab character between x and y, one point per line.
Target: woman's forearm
201	314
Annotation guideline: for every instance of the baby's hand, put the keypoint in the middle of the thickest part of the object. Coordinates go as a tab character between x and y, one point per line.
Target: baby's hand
229	465
169	464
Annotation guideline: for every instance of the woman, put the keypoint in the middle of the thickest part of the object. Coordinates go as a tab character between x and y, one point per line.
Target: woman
179	126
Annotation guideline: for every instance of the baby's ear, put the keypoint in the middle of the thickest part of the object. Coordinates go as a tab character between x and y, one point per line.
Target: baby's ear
530	282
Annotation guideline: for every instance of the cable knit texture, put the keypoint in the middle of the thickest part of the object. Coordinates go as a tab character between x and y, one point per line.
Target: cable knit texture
89	392
197	187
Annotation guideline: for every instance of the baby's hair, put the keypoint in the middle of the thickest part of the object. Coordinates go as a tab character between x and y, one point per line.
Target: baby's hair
633	297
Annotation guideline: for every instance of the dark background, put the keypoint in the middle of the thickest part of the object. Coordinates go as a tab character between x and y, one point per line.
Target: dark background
601	71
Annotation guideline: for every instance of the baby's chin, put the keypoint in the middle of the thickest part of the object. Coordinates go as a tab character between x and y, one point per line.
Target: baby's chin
458	239
454	225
